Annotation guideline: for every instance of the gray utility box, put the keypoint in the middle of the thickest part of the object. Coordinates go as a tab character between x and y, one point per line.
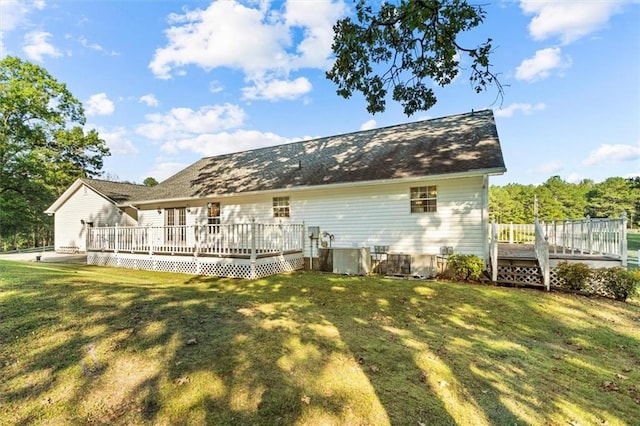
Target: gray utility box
348	260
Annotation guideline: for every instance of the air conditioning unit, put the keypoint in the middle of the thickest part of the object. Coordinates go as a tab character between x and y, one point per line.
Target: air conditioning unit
352	261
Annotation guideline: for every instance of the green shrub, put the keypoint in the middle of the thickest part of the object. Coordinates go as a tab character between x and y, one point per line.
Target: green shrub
620	283
465	266
573	276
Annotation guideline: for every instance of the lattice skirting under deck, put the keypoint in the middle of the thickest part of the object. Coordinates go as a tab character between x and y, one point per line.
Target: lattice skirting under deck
213	266
525	275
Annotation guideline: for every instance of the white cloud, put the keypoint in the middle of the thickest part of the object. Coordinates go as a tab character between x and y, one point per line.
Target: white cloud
316	20
526	109
224	142
95	46
13	13
225	34
117	140
162	171
368	125
99	104
266	45
215	87
548	168
541	65
277	89
617	153
150	100
575	177
181	123
568	20
36	46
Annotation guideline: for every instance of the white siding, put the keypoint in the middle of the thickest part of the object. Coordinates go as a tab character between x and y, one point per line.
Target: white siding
85	204
368	215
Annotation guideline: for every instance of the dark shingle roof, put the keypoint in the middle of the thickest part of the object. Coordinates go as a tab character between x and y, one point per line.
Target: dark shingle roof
455	144
119	192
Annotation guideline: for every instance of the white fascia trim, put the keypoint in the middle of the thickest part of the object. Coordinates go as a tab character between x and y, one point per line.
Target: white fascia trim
65	195
481	172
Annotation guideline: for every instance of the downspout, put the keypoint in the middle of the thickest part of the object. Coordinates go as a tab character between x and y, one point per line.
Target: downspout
484	216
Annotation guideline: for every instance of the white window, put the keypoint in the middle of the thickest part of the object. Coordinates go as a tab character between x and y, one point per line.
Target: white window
424	199
281	207
213	217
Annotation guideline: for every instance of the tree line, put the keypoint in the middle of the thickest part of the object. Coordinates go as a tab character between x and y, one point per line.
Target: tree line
557	199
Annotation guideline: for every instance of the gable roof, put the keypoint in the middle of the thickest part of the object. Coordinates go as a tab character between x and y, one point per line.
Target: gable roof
119	192
116	192
459	144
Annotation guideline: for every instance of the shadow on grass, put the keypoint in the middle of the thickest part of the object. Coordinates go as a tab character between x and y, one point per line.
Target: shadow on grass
100	345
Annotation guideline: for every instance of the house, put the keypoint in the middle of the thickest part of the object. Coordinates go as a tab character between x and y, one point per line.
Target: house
88	203
417	189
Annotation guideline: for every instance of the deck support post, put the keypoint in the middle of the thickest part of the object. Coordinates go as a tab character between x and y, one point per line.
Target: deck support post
623	240
150	240
494	251
116	239
253	249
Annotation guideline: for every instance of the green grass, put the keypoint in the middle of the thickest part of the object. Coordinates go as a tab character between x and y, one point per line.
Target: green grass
90	345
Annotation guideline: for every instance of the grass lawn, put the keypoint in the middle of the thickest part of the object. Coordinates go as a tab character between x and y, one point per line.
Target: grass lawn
90	345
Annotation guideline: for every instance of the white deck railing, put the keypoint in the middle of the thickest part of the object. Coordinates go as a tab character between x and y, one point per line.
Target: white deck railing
515	233
588	236
596	237
541	248
493	251
245	239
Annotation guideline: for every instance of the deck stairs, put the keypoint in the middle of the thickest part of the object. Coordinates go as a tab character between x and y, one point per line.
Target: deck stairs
517	266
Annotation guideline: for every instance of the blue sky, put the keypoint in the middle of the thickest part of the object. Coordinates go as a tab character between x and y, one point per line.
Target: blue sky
168	82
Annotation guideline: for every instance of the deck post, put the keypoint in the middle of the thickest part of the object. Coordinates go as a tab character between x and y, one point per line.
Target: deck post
282	243
623	241
150	240
196	228
116	239
253	250
494	251
589	235
303	239
510	232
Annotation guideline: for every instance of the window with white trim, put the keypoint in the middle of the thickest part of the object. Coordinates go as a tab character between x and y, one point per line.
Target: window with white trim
424	199
281	207
213	217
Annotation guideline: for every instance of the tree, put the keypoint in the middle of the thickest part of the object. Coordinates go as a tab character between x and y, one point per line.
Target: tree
43	146
414	42
150	181
612	197
558	200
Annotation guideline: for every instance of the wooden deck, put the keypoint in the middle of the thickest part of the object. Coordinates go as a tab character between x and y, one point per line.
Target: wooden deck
509	251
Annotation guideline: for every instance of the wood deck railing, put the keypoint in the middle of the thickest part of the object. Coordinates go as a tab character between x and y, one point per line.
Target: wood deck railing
597	237
245	239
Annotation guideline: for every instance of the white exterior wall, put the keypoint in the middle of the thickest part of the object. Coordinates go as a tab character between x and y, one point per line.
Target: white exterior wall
368	215
85	204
